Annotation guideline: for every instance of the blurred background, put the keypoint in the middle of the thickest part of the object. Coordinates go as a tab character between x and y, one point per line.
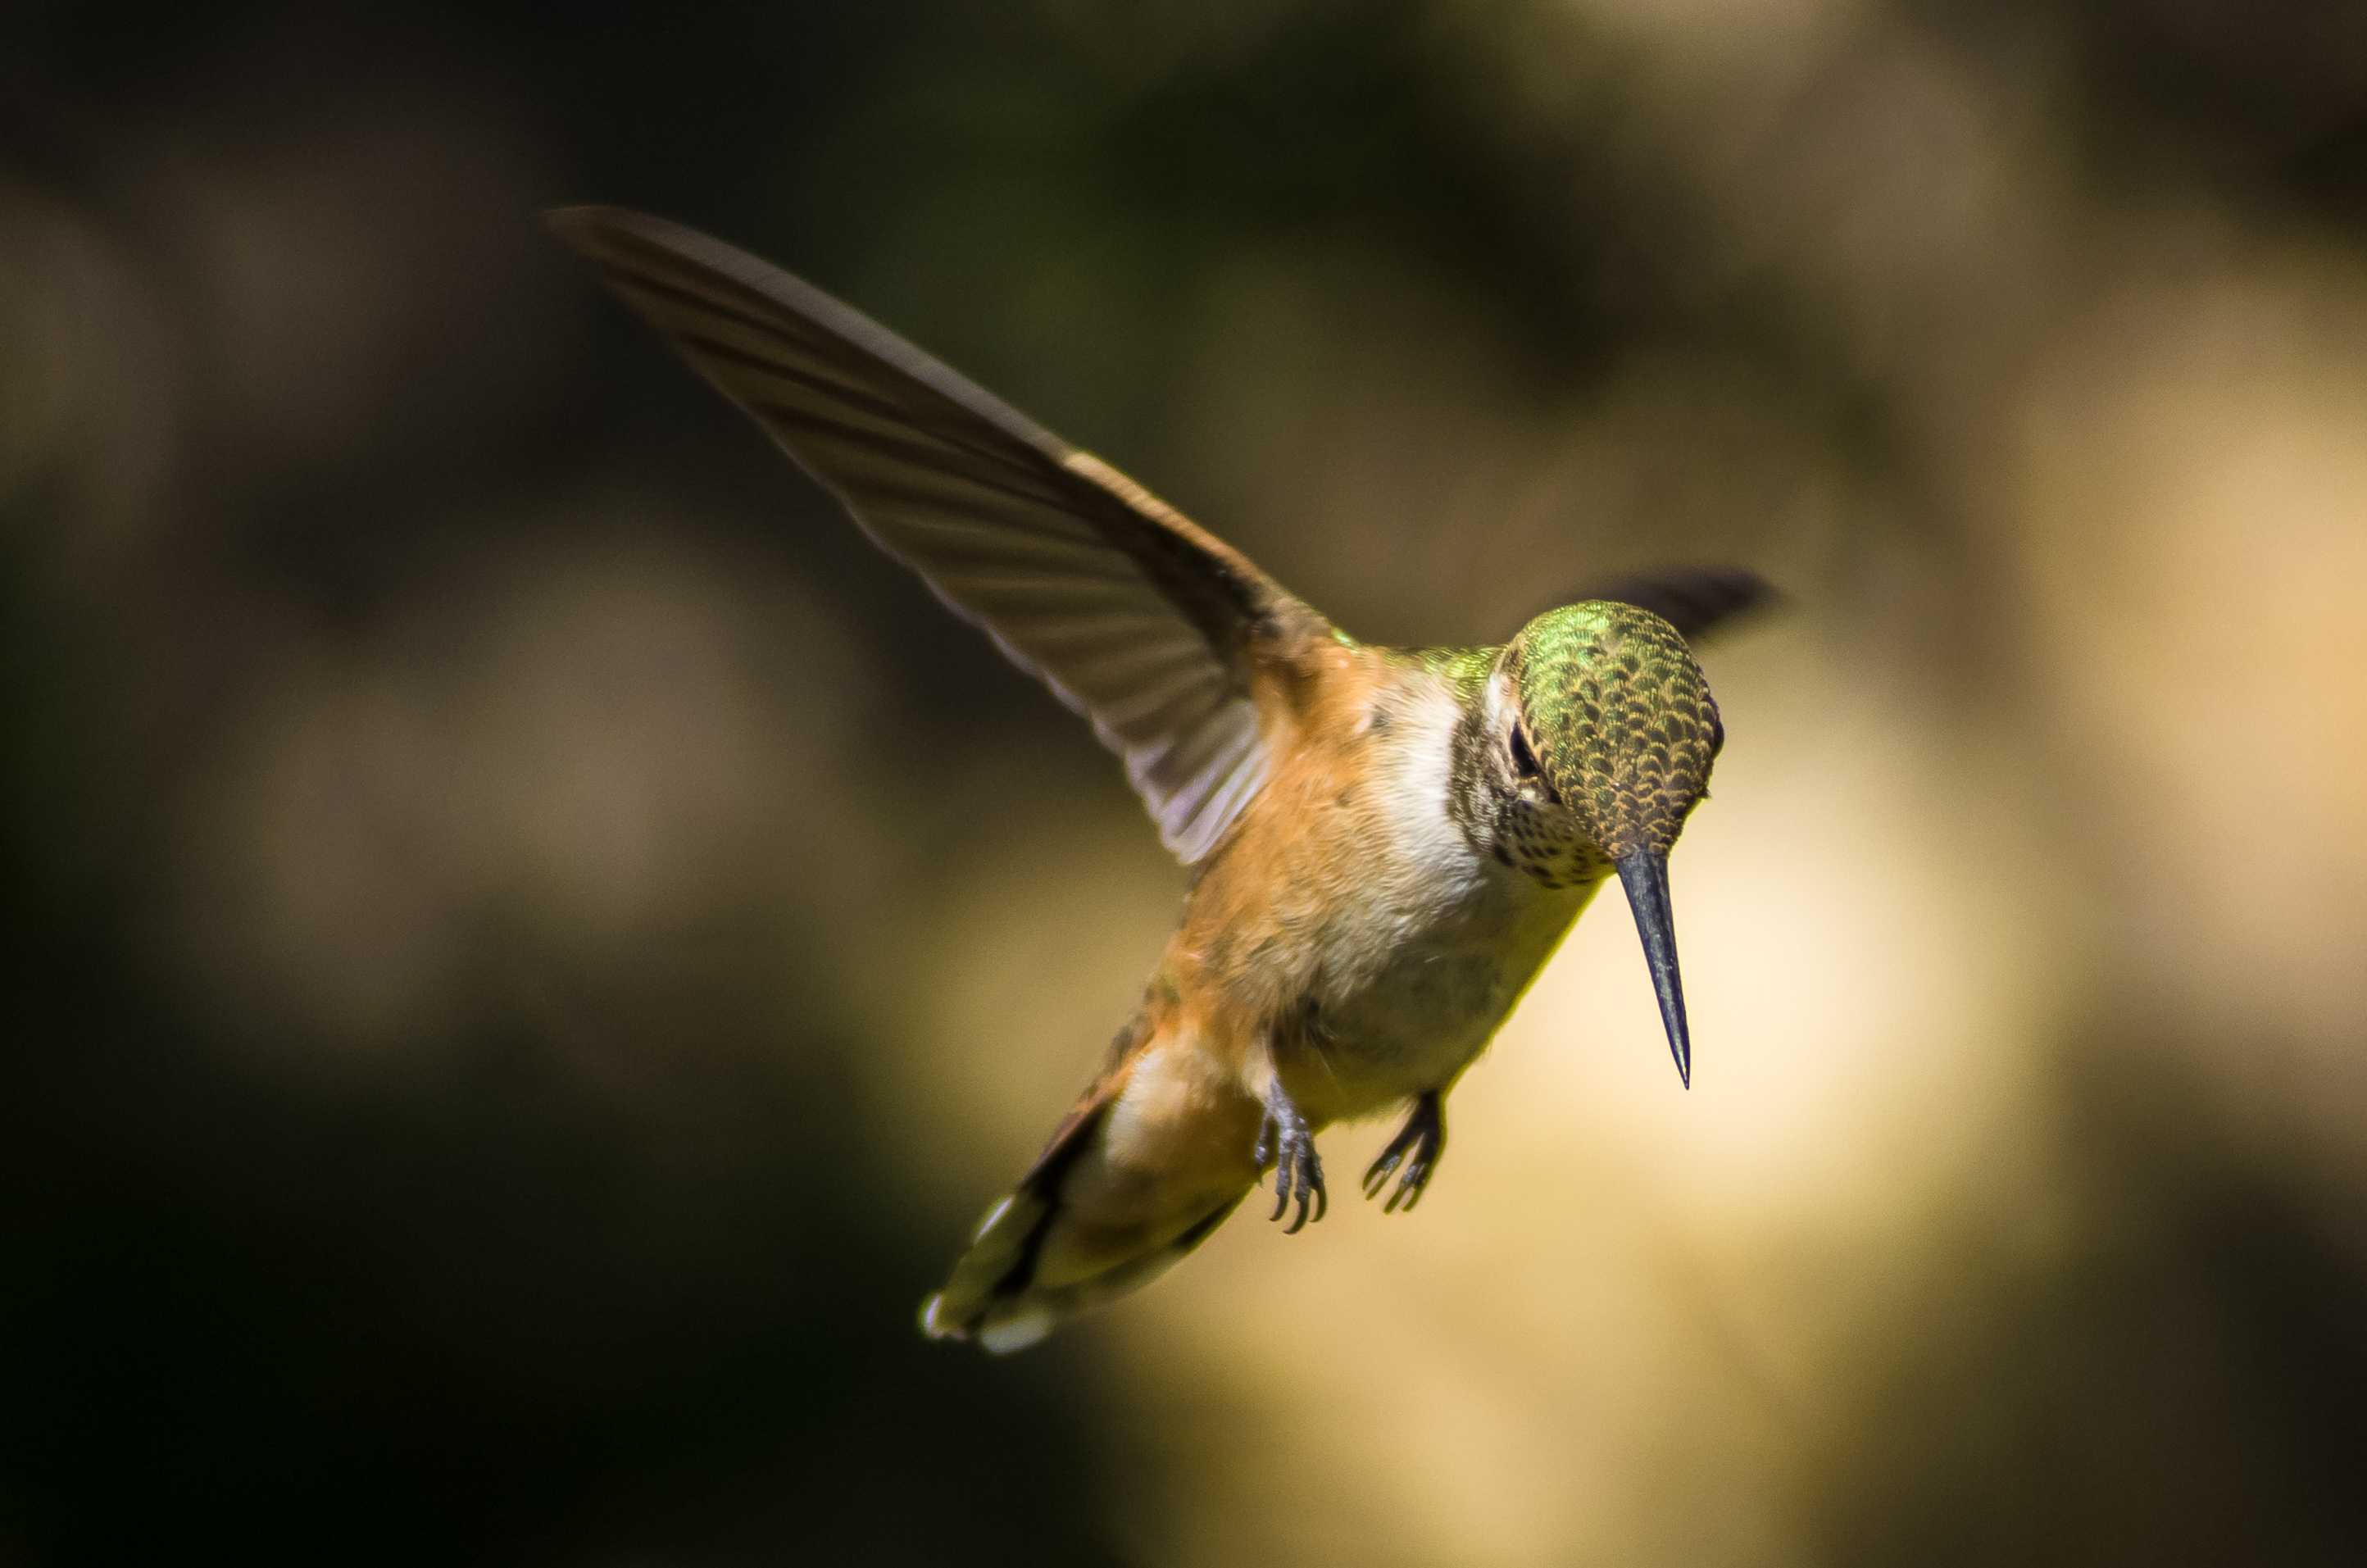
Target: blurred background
528	943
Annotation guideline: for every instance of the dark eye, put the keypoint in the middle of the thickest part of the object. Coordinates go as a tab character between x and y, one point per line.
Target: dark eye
1525	761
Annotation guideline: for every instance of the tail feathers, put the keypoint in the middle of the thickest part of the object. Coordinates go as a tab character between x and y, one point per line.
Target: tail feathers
1059	1245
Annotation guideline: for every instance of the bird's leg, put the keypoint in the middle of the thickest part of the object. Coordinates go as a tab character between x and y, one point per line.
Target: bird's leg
1284	1139
1417	1146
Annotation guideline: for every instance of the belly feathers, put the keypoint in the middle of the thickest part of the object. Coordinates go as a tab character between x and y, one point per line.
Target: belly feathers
1415	1018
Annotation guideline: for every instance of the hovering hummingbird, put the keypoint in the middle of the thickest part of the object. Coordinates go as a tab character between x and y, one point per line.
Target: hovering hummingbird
1388	843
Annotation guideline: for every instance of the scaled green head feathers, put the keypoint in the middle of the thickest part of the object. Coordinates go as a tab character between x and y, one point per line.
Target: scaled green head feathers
1620	718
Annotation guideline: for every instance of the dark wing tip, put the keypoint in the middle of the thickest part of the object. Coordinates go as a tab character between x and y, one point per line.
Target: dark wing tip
632	247
586	227
1693	599
595	229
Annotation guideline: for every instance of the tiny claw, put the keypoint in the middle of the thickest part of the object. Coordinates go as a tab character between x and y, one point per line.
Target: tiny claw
1416	1147
1298	1170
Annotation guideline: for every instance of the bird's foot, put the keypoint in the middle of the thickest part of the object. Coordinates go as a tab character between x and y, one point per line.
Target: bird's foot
1284	1139
1416	1147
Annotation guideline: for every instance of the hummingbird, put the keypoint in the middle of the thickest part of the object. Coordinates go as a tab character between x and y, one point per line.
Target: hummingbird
1387	844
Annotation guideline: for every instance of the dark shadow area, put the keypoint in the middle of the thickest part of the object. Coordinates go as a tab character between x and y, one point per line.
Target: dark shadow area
466	1316
2173	1371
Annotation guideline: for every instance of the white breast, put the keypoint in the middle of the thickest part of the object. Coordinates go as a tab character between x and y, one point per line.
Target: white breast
1417	976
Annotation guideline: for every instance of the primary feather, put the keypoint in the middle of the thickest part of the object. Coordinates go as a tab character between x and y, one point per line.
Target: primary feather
1136	617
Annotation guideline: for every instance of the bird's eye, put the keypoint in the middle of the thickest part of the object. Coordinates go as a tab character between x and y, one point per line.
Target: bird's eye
1525	761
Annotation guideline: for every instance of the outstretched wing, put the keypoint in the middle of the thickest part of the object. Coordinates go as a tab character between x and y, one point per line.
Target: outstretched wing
1133	616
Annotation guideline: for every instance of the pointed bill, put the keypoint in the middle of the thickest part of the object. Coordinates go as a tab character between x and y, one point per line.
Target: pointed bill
1645	875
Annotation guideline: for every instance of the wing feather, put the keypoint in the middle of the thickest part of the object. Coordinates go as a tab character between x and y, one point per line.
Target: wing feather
1136	617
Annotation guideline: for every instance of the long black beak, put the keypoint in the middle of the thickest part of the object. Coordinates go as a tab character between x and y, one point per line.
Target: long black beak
1645	876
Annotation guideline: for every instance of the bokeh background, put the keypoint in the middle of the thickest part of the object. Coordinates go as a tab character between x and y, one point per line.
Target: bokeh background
527	944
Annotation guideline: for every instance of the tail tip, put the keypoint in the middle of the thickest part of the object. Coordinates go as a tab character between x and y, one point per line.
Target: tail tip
1014	1333
1017	1332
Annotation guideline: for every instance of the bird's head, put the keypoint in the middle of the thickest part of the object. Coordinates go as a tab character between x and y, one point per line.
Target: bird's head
1608	734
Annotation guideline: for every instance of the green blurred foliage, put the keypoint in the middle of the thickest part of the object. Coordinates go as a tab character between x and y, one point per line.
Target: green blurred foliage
567	1269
